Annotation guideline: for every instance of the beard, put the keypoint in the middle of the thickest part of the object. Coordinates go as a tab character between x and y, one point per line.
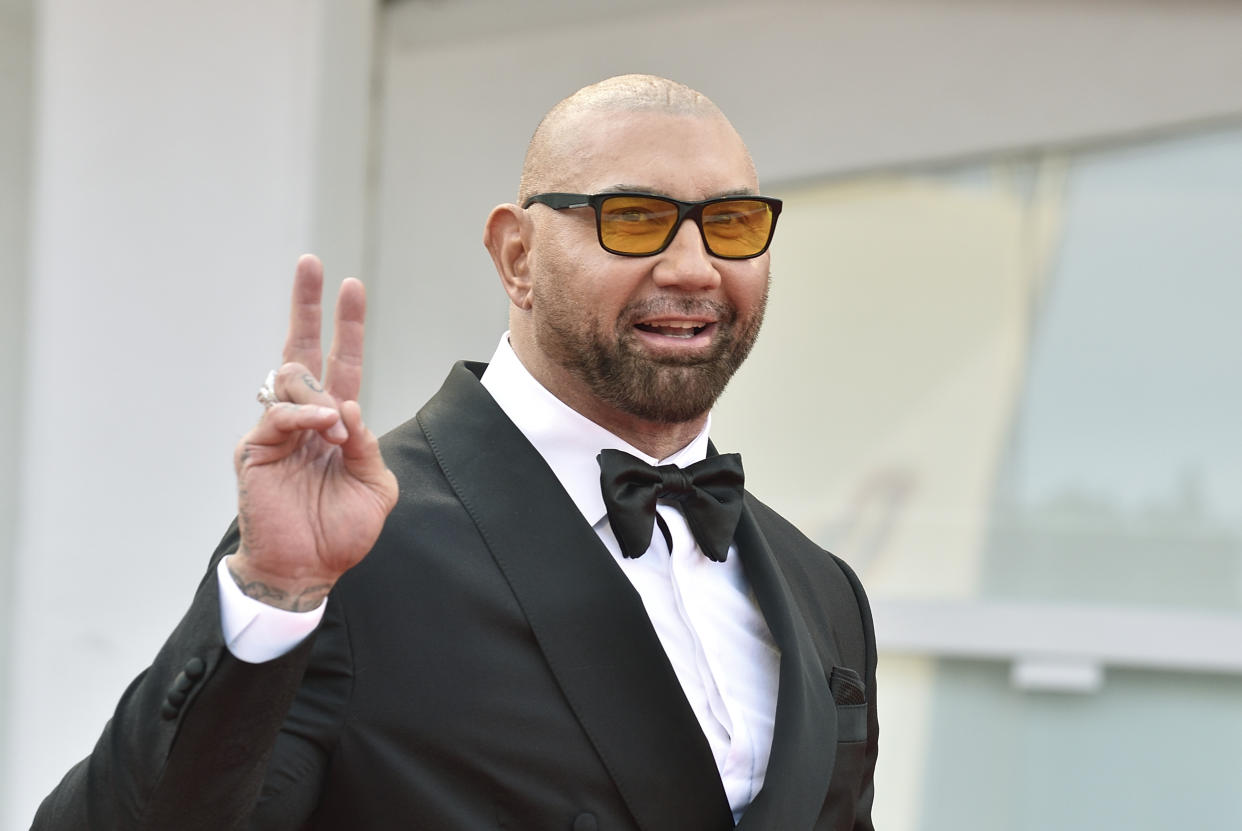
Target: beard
612	364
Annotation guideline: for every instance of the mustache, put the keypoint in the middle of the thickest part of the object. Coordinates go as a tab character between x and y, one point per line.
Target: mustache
678	307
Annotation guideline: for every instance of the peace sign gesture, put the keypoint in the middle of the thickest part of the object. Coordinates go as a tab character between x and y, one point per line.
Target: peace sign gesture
312	489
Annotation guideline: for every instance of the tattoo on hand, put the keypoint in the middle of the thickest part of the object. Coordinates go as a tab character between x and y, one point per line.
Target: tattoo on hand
312	382
303	601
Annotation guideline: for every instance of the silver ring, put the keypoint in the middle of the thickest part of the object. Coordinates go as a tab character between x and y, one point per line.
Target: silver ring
267	392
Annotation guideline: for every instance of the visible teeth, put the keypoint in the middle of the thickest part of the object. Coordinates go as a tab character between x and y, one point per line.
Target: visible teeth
673	329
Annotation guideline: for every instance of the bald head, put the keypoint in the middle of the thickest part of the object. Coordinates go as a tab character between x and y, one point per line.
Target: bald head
557	141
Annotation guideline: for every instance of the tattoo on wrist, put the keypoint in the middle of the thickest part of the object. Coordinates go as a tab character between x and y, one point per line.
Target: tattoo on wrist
303	601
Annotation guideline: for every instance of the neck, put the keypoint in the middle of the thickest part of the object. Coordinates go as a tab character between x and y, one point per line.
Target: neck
657	439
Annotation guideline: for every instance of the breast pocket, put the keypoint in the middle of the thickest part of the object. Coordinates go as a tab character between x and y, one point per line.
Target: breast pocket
852	723
849	694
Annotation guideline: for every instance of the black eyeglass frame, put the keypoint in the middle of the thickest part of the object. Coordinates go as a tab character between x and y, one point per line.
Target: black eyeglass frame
685	210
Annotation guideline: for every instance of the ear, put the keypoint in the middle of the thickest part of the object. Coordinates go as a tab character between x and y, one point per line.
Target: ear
507	237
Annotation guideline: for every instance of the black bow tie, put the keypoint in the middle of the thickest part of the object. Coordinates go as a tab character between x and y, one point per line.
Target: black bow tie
709	493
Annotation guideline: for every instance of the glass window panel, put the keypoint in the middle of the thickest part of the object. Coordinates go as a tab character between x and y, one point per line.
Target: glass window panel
1149	752
1022	376
1123	478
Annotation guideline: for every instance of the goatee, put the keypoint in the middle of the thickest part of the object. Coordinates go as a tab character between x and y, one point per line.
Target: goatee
670	389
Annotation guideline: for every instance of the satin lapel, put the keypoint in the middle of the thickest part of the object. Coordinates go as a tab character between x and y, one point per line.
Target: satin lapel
805	737
587	617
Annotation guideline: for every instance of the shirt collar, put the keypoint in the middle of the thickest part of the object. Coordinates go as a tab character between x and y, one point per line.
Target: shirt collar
568	441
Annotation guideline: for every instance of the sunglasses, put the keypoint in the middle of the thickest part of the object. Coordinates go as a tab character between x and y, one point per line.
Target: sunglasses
639	224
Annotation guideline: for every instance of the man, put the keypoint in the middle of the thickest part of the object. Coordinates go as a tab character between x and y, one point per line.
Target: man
507	641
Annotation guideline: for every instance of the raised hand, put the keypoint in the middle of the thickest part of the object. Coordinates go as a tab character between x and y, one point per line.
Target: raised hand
312	489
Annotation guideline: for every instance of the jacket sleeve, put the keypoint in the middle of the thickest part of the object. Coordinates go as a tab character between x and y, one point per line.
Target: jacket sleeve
189	742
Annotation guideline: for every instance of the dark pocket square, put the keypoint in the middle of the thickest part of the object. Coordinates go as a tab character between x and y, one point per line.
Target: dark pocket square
847	688
849	693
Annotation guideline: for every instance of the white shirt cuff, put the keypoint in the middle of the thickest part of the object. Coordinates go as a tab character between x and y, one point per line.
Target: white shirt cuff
254	631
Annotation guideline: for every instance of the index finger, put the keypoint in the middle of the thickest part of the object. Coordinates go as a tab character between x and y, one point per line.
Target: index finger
305	315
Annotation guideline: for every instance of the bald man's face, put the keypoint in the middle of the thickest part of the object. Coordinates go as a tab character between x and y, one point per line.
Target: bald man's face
653	337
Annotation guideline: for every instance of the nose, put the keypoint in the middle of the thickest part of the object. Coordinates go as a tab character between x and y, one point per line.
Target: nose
685	264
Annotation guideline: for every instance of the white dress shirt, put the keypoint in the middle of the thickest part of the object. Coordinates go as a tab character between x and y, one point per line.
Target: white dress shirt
703	612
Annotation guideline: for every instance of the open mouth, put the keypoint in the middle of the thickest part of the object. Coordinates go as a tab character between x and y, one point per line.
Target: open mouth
684	329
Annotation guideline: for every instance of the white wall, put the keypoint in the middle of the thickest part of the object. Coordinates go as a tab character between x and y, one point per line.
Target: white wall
177	176
15	103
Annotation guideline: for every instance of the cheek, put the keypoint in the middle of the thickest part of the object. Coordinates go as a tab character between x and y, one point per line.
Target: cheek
748	287
561	294
586	279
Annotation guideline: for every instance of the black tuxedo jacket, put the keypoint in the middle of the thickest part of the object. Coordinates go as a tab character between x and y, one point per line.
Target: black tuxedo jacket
486	666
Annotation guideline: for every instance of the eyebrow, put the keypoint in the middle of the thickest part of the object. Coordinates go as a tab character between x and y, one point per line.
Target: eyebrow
623	188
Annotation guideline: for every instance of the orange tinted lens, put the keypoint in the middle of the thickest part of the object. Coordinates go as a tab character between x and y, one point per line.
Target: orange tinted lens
737	227
636	224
